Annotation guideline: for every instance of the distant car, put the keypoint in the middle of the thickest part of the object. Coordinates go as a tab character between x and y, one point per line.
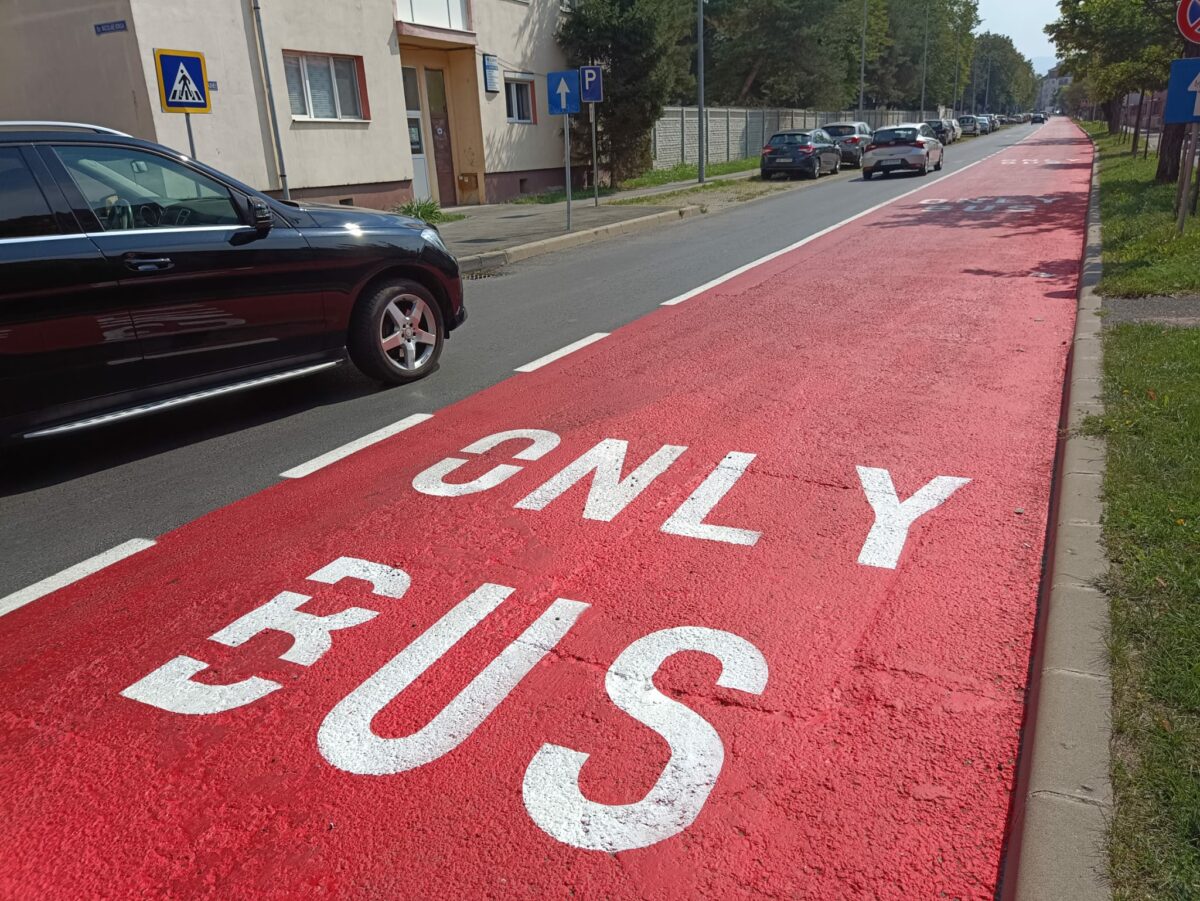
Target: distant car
1038	119
985	125
134	279
940	130
969	125
808	153
955	128
852	138
995	121
911	147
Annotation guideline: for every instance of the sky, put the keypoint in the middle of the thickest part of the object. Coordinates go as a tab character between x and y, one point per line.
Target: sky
1023	21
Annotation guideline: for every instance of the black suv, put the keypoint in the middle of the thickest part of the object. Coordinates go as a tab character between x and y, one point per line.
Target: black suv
133	279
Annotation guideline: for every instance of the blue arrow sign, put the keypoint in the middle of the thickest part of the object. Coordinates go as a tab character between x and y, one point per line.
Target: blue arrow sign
1183	91
562	92
592	79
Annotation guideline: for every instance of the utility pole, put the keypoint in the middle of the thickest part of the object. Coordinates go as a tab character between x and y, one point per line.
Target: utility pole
862	65
957	61
987	86
925	61
700	87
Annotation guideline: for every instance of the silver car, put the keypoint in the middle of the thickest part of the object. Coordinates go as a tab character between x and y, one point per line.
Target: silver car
969	125
852	139
911	147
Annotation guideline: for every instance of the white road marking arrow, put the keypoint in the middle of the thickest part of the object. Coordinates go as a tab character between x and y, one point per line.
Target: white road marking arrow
564	92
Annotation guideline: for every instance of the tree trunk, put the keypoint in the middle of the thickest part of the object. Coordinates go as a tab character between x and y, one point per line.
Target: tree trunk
1112	115
1137	127
749	82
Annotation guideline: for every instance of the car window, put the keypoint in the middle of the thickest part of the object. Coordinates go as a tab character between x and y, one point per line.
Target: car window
24	212
840	131
784	140
129	188
895	135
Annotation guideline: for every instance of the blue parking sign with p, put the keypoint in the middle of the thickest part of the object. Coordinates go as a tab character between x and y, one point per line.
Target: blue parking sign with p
591	84
182	81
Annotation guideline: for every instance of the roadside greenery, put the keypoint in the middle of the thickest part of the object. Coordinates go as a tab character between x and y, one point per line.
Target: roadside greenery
1142	253
783	53
688	172
1152	531
428	211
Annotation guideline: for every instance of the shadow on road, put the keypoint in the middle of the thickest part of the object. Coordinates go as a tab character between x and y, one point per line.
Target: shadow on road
42	462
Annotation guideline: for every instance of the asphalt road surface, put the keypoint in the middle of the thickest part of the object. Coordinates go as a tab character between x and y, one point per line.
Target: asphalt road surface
67	499
736	599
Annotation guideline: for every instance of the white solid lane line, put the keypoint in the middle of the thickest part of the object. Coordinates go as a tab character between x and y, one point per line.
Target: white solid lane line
561	352
72	574
734	273
305	469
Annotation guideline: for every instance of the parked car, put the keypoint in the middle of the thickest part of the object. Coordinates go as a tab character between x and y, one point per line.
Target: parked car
955	128
852	139
134	279
1038	119
969	125
940	130
995	121
807	153
985	125
911	147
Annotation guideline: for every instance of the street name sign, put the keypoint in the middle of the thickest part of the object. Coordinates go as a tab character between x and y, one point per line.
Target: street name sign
592	79
1183	91
562	92
182	81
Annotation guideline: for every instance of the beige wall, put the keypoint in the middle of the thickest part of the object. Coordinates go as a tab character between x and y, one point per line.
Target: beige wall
53	65
521	35
236	136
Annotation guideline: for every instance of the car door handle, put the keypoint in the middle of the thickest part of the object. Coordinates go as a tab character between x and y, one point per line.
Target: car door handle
148	264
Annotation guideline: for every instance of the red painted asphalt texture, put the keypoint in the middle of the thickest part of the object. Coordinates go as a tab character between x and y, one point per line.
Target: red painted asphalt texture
877	762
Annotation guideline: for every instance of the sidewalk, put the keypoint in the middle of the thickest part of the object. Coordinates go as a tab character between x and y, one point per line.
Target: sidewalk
491	229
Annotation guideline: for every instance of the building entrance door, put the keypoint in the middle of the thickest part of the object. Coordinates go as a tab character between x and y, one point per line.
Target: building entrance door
439	124
416	135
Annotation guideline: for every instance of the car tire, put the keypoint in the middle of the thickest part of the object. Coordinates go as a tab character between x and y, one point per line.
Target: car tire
938	167
866	174
404	315
763	176
837	166
924	170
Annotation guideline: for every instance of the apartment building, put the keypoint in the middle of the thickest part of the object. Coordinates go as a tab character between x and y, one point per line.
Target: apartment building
377	101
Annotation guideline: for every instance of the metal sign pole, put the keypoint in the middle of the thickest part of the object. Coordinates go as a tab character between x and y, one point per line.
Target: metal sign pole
567	162
187	118
595	159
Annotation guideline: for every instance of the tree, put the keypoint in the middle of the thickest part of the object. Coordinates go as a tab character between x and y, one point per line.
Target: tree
642	45
1003	80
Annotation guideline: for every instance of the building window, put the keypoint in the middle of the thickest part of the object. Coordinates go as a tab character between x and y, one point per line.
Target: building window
518	99
324	87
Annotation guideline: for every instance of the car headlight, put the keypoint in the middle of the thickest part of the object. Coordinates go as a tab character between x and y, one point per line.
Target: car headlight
434	237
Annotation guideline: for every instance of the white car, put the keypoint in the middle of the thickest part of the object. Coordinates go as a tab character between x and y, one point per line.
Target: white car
911	147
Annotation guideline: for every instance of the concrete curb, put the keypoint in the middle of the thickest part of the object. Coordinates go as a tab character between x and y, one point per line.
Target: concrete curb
495	259
1063	798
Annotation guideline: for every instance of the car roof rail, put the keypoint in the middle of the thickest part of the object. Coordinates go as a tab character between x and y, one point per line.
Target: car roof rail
38	124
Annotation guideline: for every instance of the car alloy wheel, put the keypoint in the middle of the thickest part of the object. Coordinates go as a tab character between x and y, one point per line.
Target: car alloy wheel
396	332
408	332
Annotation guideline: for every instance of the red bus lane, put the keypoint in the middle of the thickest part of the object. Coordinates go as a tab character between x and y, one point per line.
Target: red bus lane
737	600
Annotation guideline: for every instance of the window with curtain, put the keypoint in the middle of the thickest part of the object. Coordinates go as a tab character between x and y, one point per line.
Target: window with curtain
321	86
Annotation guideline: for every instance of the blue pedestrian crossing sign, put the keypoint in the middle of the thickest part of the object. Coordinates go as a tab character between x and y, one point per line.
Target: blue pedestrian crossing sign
182	81
592	82
562	92
1183	91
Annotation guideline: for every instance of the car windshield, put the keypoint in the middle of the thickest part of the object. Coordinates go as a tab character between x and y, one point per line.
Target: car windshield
966	120
840	131
795	137
895	136
935	123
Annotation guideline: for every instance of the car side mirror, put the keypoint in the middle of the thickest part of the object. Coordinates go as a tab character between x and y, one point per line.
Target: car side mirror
261	215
